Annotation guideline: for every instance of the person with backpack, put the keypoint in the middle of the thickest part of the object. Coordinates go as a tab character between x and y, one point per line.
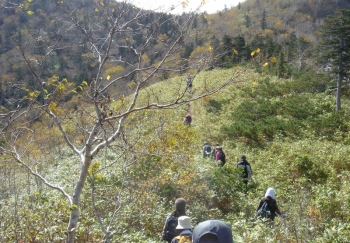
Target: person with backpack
212	231
268	208
247	169
215	150
169	229
220	157
184	229
206	150
189	81
187	119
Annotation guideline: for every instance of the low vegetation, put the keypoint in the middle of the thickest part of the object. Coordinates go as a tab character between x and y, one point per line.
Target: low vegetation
289	130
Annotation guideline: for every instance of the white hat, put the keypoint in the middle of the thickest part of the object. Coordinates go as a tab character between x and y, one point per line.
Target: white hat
184	222
270	192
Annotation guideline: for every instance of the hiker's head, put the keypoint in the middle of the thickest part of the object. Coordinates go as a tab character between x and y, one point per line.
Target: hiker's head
180	204
184	223
270	192
217	144
205	143
212	231
243	157
219	148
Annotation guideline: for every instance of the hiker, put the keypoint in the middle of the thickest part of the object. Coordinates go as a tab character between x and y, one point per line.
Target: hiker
206	150
169	229
189	81
184	230
212	231
247	169
215	150
220	157
268	206
187	119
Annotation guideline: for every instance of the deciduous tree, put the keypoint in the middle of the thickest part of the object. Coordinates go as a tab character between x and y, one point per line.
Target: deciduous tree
95	116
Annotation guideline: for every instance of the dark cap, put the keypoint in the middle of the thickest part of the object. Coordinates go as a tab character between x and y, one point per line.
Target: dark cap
180	204
215	227
243	157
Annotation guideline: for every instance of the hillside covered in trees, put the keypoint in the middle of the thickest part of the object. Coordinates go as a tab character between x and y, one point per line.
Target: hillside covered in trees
93	95
276	27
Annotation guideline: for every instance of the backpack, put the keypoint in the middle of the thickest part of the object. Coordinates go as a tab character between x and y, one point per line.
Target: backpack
183	239
170	228
264	211
222	157
207	149
247	172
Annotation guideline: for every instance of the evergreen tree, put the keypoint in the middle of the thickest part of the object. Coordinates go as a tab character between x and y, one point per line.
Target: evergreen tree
335	46
263	21
239	46
227	48
248	22
281	66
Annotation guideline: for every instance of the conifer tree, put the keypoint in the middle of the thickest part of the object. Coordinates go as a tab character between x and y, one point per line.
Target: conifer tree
263	21
335	46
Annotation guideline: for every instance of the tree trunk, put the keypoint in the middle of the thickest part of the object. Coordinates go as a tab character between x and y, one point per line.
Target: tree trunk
75	211
340	73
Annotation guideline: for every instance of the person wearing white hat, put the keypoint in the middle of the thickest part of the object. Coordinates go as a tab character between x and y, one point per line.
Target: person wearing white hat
268	206
184	229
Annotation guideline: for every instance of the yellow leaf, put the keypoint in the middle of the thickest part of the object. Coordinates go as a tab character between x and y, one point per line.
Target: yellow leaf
53	106
266	64
235	51
108	77
96	10
257	50
253	53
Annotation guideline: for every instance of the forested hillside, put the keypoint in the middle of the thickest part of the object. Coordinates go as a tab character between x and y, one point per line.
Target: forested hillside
283	26
93	146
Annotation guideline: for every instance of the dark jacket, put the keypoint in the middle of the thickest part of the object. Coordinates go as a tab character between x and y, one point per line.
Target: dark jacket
165	235
244	163
272	206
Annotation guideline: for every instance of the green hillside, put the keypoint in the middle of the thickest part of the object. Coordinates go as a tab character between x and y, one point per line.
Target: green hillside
288	129
93	95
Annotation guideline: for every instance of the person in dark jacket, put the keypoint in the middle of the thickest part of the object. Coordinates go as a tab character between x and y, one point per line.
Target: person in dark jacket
206	150
189	81
212	231
272	204
187	120
220	157
247	169
214	151
180	210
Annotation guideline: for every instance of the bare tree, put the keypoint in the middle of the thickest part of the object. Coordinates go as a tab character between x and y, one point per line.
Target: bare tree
99	122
